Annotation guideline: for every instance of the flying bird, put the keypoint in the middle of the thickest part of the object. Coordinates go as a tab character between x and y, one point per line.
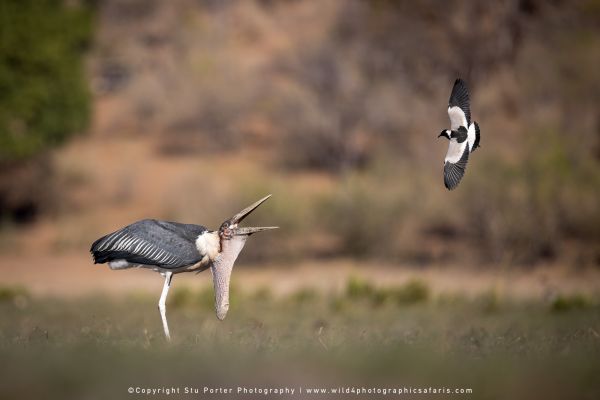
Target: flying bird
171	248
463	135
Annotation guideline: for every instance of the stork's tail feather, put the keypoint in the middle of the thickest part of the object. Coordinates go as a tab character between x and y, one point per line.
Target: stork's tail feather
102	254
99	257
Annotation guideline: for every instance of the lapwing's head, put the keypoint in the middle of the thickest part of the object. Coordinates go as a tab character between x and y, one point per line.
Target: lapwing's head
445	133
229	229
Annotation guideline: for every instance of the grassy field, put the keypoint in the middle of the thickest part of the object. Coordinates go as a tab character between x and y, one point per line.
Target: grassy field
96	347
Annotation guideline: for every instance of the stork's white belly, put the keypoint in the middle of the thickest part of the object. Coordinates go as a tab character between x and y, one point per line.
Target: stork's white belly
121	264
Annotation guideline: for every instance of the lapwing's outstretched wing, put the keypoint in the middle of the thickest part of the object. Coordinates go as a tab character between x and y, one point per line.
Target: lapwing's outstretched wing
150	242
455	163
459	110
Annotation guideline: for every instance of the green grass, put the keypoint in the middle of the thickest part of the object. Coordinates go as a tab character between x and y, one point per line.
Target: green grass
569	302
96	347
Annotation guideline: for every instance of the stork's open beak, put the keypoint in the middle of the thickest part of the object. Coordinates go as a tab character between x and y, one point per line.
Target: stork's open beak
239	217
251	230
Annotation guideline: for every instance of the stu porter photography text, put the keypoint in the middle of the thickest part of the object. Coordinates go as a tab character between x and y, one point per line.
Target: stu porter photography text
285	390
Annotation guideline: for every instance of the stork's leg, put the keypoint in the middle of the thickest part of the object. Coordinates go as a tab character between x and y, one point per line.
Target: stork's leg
162	301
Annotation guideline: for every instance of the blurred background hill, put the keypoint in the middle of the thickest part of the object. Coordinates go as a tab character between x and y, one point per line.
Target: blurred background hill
116	110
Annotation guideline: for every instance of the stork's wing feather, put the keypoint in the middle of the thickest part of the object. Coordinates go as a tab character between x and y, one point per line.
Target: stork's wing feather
453	172
459	109
150	242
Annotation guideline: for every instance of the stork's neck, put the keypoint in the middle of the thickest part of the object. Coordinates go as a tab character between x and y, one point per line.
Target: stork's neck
208	245
221	269
231	248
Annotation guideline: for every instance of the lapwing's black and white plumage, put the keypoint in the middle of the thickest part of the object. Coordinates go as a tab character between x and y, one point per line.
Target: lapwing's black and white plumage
172	247
463	135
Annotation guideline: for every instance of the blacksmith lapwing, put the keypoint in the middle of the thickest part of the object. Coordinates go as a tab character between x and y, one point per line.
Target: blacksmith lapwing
463	135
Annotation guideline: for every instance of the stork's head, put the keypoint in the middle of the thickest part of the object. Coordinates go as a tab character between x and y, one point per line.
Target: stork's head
232	239
229	229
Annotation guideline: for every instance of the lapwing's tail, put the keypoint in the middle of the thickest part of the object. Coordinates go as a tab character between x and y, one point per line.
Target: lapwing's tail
477	135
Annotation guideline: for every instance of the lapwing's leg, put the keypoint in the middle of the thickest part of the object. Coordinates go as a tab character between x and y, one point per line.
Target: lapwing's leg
162	301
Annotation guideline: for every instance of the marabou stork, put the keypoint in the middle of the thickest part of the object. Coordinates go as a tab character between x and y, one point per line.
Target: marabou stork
171	248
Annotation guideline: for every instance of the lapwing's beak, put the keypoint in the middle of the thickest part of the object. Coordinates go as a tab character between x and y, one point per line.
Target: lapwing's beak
442	134
239	217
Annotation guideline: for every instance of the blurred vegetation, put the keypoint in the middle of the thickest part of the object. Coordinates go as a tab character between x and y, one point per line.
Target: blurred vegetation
564	303
10	293
526	211
412	292
44	96
43	89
